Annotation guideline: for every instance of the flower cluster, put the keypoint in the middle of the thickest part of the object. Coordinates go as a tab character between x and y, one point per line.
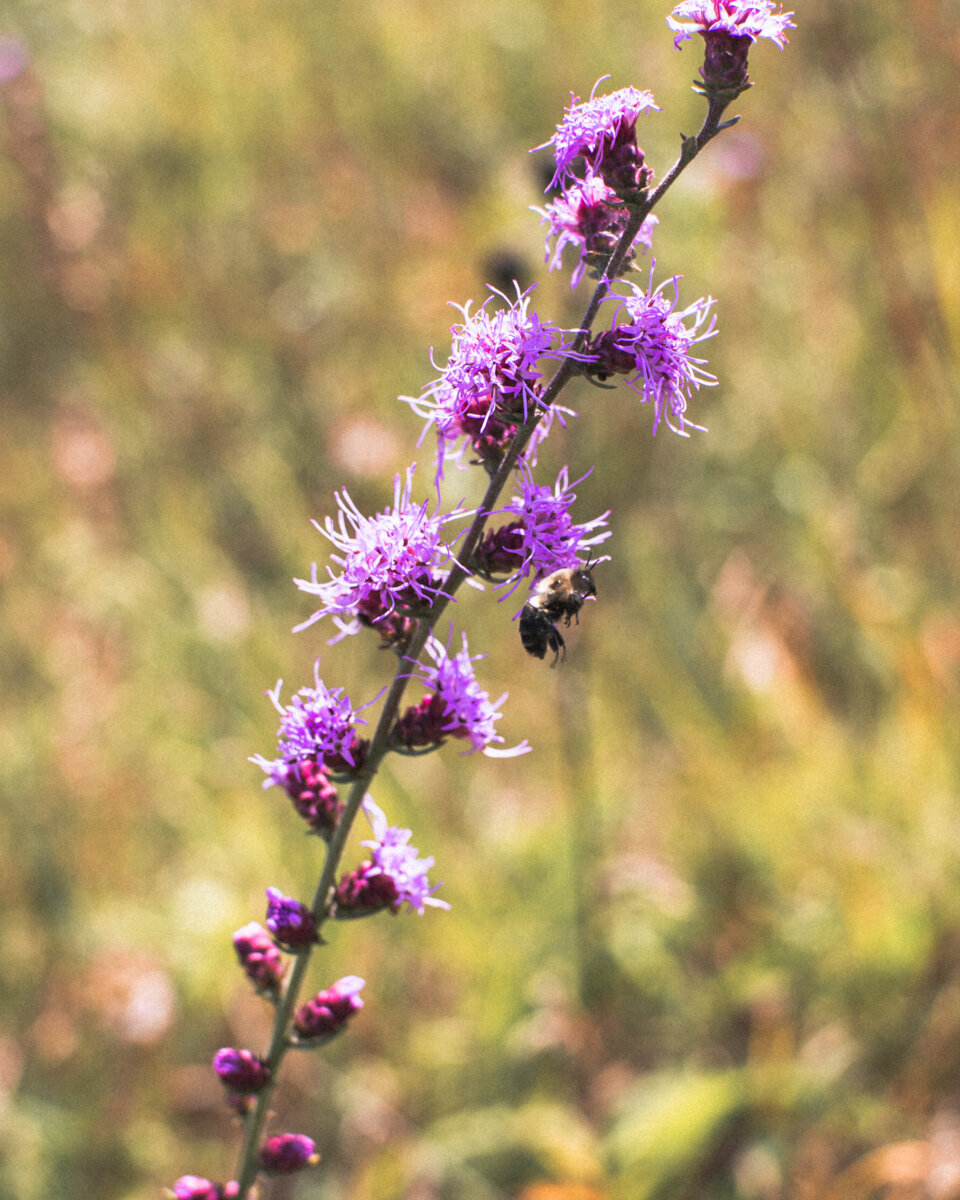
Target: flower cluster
326	1014
393	875
589	214
650	343
492	380
292	924
314	796
729	28
390	564
544	537
730	18
288	1152
240	1071
317	734
194	1187
491	405
261	960
456	705
603	132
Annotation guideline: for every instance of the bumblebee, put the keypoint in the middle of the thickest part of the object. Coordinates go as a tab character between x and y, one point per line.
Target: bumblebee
557	597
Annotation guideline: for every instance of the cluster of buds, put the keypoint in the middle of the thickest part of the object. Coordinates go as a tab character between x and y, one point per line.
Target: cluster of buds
491	405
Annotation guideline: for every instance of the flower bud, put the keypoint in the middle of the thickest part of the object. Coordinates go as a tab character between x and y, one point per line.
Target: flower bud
259	958
363	892
241	1071
314	796
194	1187
288	1152
328	1011
422	726
291	923
501	551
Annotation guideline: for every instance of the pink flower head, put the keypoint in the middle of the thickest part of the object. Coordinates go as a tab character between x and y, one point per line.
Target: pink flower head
650	342
318	726
750	19
547	538
603	131
492	379
393	856
389	562
463	708
728	28
590	216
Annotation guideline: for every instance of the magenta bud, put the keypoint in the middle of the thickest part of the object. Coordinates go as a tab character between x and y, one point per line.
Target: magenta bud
194	1187
291	923
288	1152
260	958
328	1011
422	725
363	892
314	796
241	1071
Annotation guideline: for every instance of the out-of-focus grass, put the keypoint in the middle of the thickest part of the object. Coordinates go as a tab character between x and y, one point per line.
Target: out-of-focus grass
705	940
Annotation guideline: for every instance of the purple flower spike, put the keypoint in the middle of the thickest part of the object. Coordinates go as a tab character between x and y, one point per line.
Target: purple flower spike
291	923
388	563
259	958
603	130
468	711
194	1187
394	870
329	1010
241	1071
651	342
288	1152
316	727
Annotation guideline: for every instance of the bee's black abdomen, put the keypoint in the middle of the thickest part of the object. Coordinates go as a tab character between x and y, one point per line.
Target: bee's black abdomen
535	630
538	632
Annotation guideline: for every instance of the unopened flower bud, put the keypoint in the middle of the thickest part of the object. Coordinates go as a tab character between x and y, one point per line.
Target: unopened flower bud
241	1071
314	796
363	892
288	1152
329	1010
195	1187
291	923
260	958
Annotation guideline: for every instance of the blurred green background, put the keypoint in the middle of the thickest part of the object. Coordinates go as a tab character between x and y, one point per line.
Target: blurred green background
705	940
